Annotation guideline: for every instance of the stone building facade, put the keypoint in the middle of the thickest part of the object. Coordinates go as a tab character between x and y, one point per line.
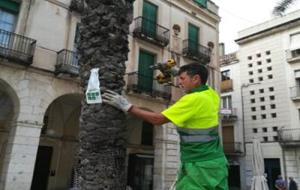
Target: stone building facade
267	95
40	94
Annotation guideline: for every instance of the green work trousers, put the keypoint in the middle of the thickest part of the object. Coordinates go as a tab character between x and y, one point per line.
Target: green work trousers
204	175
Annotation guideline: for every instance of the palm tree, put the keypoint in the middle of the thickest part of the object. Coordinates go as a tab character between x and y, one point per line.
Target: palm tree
281	7
103	44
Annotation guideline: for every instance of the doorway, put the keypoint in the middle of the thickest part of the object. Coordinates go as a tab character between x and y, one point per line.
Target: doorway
272	169
42	168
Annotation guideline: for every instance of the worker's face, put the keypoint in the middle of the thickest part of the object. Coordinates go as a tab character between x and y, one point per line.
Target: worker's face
188	83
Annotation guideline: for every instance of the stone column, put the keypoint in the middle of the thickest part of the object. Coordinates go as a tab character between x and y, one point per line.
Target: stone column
20	156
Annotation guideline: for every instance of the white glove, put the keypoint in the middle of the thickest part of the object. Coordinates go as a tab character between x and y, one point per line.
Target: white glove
116	100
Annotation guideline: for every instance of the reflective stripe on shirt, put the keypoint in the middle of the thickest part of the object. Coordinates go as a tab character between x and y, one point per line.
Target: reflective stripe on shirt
188	135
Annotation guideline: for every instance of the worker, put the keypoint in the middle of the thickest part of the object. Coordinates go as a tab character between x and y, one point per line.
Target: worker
203	163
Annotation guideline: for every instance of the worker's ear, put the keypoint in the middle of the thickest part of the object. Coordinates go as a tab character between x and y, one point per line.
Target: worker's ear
197	79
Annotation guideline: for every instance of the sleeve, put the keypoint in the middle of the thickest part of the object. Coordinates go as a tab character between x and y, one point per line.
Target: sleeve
181	111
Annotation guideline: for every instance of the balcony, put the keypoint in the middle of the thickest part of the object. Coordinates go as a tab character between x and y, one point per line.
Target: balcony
293	56
67	63
232	148
289	137
193	50
148	30
16	48
228	114
228	59
226	85
136	83
295	93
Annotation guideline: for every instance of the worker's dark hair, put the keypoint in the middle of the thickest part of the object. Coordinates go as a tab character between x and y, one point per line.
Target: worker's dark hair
193	69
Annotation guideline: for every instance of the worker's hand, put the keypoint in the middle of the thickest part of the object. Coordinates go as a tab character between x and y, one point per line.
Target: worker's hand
116	100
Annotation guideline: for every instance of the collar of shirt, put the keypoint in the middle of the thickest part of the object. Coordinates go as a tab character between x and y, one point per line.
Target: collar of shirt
200	88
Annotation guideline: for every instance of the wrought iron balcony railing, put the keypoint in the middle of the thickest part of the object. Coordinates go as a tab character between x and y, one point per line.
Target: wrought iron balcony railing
67	63
16	47
229	58
150	31
138	83
195	51
231	148
228	114
295	92
289	137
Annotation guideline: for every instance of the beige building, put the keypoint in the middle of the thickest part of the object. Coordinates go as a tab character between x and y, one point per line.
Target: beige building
40	94
265	91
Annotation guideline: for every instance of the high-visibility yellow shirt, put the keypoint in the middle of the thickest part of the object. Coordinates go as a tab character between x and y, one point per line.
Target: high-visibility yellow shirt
196	116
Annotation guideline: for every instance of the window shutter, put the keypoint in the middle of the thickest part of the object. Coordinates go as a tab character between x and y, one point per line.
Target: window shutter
10	6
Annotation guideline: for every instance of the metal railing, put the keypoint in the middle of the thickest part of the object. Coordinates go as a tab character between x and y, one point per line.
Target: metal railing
232	147
295	92
228	114
229	58
193	50
289	137
146	84
67	62
151	31
16	47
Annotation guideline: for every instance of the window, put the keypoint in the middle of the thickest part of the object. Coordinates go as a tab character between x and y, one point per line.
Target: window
225	75
265	129
258	55
273	115
295	53
275	128
250	72
254	130
149	19
270	76
295	44
265	139
251	80
275	138
271	89
252	92
147	134
269	68
272	106
249	57
261	90
262	99
260	78
252	100
202	3
258	62
259	70
253	117
263	116
8	14
253	109
272	97
226	102
268	52
263	107
250	65
268	60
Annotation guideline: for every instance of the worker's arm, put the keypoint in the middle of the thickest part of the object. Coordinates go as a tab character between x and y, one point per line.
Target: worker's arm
151	117
122	103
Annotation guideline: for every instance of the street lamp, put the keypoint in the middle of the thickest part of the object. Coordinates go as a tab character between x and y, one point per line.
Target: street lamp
243	115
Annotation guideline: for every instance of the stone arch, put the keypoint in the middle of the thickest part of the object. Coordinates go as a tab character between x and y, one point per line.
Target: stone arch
59	136
9	111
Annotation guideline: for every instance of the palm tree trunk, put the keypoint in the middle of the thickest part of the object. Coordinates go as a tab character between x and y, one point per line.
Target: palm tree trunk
103	44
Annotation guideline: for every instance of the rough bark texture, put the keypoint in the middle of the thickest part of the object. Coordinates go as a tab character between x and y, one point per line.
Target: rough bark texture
103	44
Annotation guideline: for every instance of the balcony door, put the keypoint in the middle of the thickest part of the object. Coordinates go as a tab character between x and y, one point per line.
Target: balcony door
228	139
149	19
145	74
193	38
